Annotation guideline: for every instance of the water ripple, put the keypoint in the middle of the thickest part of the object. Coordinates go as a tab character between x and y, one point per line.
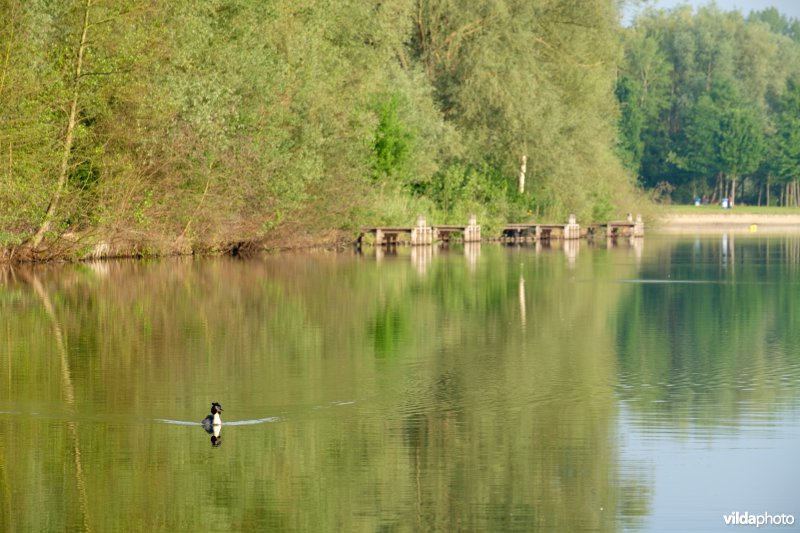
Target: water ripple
234	423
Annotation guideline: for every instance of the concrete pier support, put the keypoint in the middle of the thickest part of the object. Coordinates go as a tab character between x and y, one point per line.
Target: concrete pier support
421	234
638	227
572	230
472	233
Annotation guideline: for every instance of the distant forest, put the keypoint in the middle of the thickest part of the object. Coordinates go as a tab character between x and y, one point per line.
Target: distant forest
156	127
710	105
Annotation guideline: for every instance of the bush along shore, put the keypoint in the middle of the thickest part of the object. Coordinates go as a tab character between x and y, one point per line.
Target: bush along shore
195	127
188	127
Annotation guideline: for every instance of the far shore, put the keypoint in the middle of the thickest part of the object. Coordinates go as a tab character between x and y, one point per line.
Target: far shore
729	220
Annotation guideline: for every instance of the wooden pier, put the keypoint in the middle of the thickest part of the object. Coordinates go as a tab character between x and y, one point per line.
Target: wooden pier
618	228
471	231
541	232
422	234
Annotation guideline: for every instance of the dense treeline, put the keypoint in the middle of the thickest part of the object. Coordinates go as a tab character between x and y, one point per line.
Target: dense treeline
710	105
191	124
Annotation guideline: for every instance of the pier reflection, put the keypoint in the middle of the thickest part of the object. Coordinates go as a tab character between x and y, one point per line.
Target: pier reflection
421	257
472	252
571	248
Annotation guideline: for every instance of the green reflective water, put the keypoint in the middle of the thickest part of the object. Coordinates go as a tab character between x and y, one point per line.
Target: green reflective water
592	388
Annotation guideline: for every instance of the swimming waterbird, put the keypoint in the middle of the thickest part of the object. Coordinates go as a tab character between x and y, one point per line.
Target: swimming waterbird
213	419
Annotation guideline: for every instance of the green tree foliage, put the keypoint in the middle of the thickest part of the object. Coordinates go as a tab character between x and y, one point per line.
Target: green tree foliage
783	148
787	144
720	79
700	156
69	74
393	142
643	92
529	78
188	125
741	144
777	22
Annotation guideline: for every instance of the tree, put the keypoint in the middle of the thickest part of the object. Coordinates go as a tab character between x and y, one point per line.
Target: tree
741	144
725	75
71	66
69	135
642	89
196	125
785	148
698	149
530	78
28	125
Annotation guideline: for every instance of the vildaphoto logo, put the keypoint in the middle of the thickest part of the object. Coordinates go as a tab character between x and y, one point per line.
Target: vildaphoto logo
764	519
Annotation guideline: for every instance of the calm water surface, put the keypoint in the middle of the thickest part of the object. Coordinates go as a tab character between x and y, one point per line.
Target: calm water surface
653	387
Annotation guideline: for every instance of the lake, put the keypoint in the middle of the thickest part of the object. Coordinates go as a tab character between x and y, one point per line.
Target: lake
647	386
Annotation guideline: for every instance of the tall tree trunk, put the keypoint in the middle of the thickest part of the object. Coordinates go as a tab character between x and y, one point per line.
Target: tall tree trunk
768	189
715	197
70	133
732	198
742	183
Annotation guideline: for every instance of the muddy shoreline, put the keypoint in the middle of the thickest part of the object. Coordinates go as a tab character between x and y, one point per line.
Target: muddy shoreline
672	223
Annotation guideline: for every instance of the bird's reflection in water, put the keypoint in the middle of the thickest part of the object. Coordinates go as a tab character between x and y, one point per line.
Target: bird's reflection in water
214	431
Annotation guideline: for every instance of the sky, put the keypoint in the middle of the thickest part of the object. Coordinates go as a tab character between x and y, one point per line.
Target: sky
790	8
